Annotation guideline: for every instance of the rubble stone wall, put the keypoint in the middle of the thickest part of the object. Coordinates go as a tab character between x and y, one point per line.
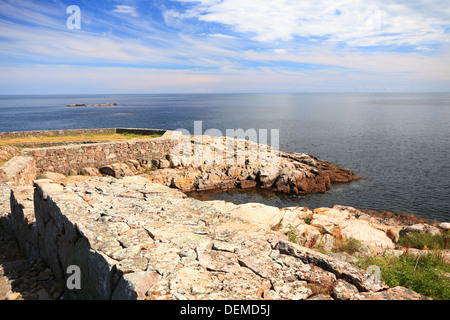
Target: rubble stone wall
71	158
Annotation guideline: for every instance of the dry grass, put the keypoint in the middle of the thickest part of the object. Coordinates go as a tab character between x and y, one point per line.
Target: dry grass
75	137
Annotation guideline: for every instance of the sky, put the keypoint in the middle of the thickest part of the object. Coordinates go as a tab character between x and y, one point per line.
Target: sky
203	46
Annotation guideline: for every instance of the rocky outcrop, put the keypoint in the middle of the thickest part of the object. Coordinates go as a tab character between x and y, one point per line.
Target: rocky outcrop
107	104
224	163
134	239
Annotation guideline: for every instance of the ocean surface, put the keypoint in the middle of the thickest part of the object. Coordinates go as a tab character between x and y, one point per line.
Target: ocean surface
398	143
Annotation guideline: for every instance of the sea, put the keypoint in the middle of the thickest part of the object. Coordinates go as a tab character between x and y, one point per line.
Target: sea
398	143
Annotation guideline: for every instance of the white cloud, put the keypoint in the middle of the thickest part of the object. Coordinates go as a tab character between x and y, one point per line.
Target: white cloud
126	9
355	22
221	35
145	57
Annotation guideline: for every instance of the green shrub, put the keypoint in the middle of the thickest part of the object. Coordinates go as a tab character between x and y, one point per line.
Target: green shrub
348	245
426	274
307	220
420	240
292	236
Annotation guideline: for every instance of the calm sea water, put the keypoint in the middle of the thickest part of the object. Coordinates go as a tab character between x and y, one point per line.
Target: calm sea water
398	143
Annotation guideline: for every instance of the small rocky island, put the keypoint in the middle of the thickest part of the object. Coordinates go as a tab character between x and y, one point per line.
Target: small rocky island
94	105
118	211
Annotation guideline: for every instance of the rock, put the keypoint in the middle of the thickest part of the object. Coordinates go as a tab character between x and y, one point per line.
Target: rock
420	228
89	171
396	293
164	164
344	290
366	234
107	170
135	239
326	242
224	246
257	213
271	295
342	270
296	290
52	176
320	297
247	184
42	295
135	285
117	170
45	275
193	281
13	296
444	225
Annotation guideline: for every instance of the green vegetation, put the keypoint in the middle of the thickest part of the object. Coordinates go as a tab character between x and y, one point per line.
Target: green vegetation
307	220
424	240
292	236
140	136
425	274
348	245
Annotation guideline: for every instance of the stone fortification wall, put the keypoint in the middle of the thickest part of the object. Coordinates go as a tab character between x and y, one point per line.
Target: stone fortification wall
69	159
68	132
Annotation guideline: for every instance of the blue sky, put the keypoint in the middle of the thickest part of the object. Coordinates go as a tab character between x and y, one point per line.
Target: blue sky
178	46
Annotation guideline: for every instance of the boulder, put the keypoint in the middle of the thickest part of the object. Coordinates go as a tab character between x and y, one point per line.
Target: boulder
344	290
444	225
52	176
366	234
90	171
396	293
117	170
420	228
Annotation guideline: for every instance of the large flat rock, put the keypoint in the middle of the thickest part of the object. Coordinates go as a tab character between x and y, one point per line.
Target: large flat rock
134	239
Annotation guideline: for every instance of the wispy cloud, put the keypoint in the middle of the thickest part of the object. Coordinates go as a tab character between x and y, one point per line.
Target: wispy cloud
227	45
352	22
126	9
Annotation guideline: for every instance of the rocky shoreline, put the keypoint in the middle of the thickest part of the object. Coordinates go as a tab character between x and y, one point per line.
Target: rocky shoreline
136	235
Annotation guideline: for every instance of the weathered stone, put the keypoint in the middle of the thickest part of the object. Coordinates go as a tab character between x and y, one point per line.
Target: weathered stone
244	285
320	297
20	170
363	232
444	225
135	285
52	176
342	270
193	281
420	228
297	290
396	293
90	171
344	290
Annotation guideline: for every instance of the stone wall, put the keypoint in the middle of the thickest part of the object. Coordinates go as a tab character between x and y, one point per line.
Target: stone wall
71	158
19	170
68	132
